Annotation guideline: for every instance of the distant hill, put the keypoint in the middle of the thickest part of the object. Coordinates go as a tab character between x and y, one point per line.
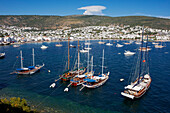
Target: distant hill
54	22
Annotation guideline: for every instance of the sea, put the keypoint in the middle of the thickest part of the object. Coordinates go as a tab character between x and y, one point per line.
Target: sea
105	99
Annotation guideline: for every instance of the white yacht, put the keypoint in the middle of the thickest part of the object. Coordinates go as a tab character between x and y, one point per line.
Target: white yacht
84	50
119	45
44	47
128	53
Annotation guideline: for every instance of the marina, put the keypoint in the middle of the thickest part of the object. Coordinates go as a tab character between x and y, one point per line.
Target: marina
106	98
85	56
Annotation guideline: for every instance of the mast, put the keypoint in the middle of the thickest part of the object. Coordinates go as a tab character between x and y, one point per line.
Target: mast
33	57
78	57
141	53
102	61
21	59
146	54
68	53
88	61
92	64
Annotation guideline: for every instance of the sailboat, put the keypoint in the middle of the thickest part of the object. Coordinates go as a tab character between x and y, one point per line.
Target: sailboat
138	42
143	80
68	75
84	50
79	79
159	45
96	81
30	69
87	43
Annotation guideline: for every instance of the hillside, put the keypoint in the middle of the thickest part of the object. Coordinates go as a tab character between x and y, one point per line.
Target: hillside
54	22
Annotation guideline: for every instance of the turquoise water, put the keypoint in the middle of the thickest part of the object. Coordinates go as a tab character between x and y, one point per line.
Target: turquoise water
107	98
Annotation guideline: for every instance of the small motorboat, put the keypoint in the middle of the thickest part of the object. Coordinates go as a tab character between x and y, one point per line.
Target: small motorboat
159	46
16	45
121	80
128	53
127	43
119	45
87	43
84	51
58	45
2	55
109	44
87	48
138	43
144	49
100	42
52	85
44	47
72	46
155	43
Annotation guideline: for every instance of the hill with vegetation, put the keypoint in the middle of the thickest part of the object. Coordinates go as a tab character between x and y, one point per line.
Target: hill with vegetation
73	21
15	105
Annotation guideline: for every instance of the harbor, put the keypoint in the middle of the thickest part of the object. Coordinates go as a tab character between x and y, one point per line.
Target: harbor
106	98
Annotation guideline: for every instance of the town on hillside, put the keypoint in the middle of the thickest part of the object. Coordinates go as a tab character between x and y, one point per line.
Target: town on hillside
14	34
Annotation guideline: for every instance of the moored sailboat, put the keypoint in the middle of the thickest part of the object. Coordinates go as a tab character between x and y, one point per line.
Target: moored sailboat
143	80
30	69
68	75
159	45
96	81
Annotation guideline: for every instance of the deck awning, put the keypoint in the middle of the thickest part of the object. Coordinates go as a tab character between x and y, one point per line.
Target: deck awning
89	80
81	76
22	69
31	67
137	88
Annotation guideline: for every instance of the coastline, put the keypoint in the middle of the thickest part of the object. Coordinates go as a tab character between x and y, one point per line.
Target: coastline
19	43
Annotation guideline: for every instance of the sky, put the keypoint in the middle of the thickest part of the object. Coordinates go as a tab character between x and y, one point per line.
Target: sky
113	8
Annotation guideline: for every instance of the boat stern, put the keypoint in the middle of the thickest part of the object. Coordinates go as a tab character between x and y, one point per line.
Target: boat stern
127	95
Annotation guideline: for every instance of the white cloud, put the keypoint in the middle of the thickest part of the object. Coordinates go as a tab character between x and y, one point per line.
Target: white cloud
93	10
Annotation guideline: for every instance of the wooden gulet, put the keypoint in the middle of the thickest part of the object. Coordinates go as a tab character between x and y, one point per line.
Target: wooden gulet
96	81
30	69
142	83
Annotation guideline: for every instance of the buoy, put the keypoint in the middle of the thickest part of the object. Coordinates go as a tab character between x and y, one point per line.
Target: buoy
121	80
49	71
66	89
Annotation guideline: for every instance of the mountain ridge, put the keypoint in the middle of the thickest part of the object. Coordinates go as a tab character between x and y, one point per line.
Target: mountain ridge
54	22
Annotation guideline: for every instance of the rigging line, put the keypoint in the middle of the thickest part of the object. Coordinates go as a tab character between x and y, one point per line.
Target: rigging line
134	68
41	81
15	63
48	96
141	53
74	60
